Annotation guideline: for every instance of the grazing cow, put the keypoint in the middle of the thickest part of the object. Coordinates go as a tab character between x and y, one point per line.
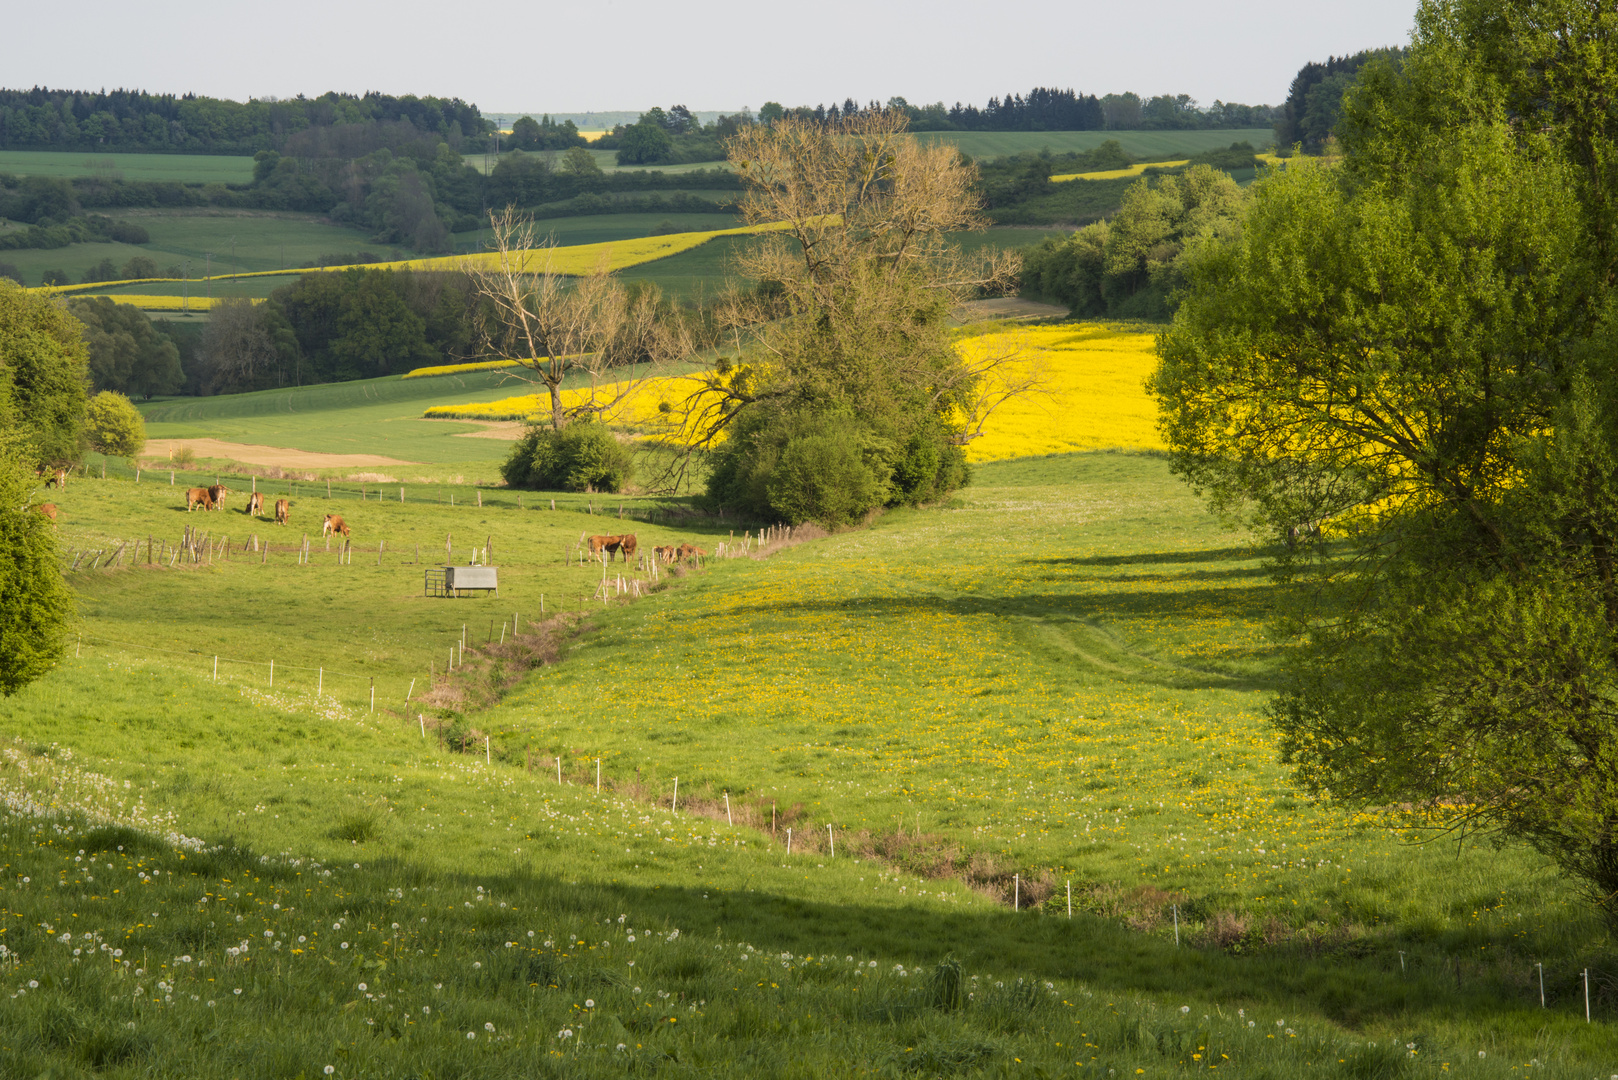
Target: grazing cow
217	493
47	509
255	504
195	497
283	511
689	551
664	554
626	544
58	479
334	524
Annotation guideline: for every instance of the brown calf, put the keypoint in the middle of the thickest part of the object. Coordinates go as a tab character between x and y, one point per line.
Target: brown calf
283	511
48	509
195	497
334	524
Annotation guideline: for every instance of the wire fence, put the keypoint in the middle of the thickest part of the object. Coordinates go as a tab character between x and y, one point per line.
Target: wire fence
215	665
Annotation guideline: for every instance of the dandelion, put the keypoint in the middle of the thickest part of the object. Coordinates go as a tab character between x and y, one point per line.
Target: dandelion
345	945
237	991
1184	1009
425	1009
362	986
471	1034
589	1003
330	1069
488	1026
1481	1054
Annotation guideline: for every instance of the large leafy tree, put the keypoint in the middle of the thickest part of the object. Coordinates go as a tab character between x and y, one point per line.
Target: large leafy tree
1407	368
42	376
849	379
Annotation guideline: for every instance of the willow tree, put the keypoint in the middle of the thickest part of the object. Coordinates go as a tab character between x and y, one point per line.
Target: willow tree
1406	366
845	388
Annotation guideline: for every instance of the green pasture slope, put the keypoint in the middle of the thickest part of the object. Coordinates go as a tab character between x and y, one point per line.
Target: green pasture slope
188	168
264	240
1055	678
369	416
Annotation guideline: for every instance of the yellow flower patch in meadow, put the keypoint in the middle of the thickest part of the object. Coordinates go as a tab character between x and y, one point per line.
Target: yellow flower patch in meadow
1093	395
1119	174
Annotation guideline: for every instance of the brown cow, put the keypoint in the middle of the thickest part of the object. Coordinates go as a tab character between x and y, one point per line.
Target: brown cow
334	524
664	554
283	511
255	503
626	544
217	493
689	551
48	509
598	544
195	497
58	479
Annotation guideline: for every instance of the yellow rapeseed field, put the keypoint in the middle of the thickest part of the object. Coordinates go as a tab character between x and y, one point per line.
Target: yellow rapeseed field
458	369
1119	174
1093	395
573	261
148	302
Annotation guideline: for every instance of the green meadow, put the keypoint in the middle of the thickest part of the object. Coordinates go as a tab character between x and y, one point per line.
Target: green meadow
189	168
1050	687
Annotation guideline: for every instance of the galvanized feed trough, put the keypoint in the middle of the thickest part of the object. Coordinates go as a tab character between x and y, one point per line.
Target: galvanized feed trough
463	580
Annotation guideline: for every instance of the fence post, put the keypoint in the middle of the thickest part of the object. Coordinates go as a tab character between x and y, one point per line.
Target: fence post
320	681
272	672
216	669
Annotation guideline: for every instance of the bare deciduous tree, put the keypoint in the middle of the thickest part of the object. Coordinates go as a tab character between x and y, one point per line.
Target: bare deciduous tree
554	325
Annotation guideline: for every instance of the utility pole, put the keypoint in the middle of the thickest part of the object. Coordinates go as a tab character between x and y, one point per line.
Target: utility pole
207	272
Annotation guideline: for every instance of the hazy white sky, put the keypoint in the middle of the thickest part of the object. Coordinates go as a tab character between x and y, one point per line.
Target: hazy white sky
505	55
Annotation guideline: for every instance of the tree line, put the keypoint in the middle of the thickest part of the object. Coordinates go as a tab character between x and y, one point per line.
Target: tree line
1047	109
135	121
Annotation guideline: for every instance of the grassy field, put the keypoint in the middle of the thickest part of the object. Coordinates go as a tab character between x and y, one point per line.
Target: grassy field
189	168
957	705
263	241
373	416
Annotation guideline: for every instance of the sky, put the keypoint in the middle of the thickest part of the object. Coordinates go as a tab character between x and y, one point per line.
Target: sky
510	56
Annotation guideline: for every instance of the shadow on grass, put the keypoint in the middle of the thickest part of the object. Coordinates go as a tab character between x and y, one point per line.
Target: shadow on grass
1089	628
1355	984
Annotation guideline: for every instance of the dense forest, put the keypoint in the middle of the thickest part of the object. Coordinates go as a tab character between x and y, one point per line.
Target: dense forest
133	120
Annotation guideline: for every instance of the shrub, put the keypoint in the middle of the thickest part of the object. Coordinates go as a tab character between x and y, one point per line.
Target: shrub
584	456
115	426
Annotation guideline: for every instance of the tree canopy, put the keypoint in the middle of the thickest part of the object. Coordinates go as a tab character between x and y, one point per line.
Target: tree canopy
846	377
126	352
1406	368
42	376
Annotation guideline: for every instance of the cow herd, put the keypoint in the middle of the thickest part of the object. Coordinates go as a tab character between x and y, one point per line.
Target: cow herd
212	497
606	547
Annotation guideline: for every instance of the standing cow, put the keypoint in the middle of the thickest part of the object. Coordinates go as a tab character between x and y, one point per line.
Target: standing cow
195	497
283	511
58	479
255	504
334	524
217	493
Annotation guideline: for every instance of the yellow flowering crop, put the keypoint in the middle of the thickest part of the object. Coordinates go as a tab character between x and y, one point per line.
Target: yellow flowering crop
1119	174
148	302
1093	394
458	369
